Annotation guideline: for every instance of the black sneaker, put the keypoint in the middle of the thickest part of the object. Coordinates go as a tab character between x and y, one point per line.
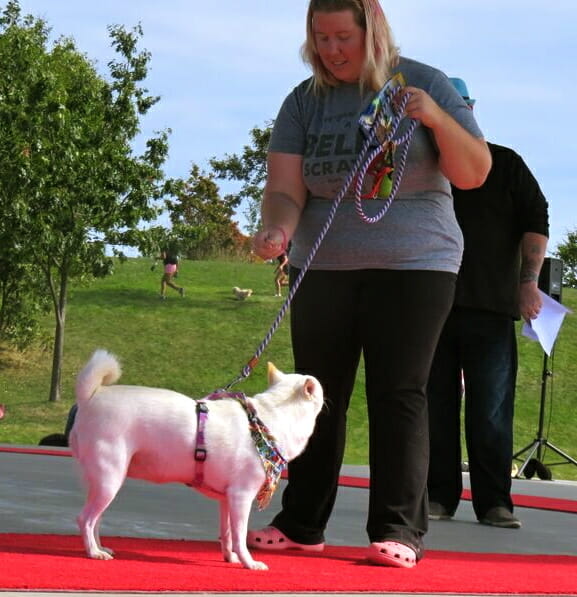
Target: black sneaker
500	517
438	512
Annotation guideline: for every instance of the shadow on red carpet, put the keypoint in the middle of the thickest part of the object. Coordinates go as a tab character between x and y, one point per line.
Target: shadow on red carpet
520	501
58	563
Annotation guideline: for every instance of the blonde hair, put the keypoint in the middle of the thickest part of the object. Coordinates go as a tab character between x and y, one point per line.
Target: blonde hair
381	53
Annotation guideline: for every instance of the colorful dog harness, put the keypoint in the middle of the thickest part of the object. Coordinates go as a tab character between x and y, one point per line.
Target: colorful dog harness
272	460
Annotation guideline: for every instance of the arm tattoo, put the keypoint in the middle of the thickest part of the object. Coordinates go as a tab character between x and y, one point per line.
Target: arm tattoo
531	263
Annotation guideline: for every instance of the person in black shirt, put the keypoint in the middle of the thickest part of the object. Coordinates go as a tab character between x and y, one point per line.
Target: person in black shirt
505	227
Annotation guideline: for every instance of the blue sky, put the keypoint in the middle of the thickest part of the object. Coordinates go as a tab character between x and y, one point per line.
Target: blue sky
223	67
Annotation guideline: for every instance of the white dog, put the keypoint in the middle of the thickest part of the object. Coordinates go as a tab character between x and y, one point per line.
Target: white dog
241	293
151	434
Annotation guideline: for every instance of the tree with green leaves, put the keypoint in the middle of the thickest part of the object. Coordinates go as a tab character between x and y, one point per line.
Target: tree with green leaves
201	223
202	219
23	296
567	252
68	171
23	292
250	169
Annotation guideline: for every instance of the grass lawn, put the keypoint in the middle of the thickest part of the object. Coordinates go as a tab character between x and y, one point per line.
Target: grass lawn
201	342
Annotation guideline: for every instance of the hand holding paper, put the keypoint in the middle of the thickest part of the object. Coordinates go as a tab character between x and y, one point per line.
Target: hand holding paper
545	327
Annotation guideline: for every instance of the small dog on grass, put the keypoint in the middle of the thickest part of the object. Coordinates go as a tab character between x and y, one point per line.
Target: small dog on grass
152	434
241	293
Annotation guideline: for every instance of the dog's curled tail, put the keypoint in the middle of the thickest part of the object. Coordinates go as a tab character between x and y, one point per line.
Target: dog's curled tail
103	369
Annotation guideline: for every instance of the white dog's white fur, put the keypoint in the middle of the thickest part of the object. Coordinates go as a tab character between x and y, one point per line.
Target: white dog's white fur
241	293
149	433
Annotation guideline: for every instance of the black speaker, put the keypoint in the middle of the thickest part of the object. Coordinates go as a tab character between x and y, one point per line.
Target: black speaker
551	277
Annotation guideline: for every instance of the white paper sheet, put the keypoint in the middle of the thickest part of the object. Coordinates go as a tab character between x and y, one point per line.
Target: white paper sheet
545	327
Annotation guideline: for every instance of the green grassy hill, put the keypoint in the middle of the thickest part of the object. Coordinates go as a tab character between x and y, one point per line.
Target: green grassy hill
201	342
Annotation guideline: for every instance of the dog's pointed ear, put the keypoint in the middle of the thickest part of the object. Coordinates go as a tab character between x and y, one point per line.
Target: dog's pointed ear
309	387
273	374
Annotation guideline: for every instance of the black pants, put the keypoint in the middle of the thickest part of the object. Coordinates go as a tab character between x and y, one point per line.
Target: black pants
392	318
483	345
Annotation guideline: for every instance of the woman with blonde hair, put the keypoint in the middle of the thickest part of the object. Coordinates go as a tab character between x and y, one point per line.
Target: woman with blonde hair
381	291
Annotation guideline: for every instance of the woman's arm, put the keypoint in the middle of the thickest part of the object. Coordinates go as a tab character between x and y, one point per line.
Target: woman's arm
464	159
284	199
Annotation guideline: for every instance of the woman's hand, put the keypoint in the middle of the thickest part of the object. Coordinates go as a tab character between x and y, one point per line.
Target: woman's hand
463	158
421	106
270	242
283	201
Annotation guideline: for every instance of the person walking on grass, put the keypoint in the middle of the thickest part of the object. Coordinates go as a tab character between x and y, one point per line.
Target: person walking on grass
281	273
170	262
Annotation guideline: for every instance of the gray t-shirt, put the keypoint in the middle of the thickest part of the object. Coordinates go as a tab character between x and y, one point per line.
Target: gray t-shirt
420	230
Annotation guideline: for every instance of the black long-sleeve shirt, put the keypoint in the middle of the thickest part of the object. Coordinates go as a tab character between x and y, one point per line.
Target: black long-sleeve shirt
494	218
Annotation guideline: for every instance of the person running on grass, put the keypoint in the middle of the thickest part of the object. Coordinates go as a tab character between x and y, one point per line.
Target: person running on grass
170	261
281	273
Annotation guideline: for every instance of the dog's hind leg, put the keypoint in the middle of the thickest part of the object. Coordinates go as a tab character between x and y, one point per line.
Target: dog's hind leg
225	535
102	489
239	503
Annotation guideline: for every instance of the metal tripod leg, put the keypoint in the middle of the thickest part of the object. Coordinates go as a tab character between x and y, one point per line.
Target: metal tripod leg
560	452
540	441
531	448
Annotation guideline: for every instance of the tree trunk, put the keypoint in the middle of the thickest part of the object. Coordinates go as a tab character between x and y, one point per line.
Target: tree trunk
3	302
58	350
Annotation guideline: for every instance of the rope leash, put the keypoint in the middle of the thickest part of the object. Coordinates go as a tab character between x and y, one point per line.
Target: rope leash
359	168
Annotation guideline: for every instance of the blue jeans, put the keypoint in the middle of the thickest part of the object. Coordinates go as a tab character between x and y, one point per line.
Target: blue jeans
483	345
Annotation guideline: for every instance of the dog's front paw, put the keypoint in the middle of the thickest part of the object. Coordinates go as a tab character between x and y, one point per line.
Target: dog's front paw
256	566
102	554
232	558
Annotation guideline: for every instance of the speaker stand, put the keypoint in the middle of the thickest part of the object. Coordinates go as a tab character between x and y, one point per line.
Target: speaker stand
532	465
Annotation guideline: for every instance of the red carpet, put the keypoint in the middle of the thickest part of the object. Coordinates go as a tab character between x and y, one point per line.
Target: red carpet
520	501
58	563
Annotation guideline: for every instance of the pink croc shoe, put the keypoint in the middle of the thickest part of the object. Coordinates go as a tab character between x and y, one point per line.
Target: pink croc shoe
271	539
391	553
